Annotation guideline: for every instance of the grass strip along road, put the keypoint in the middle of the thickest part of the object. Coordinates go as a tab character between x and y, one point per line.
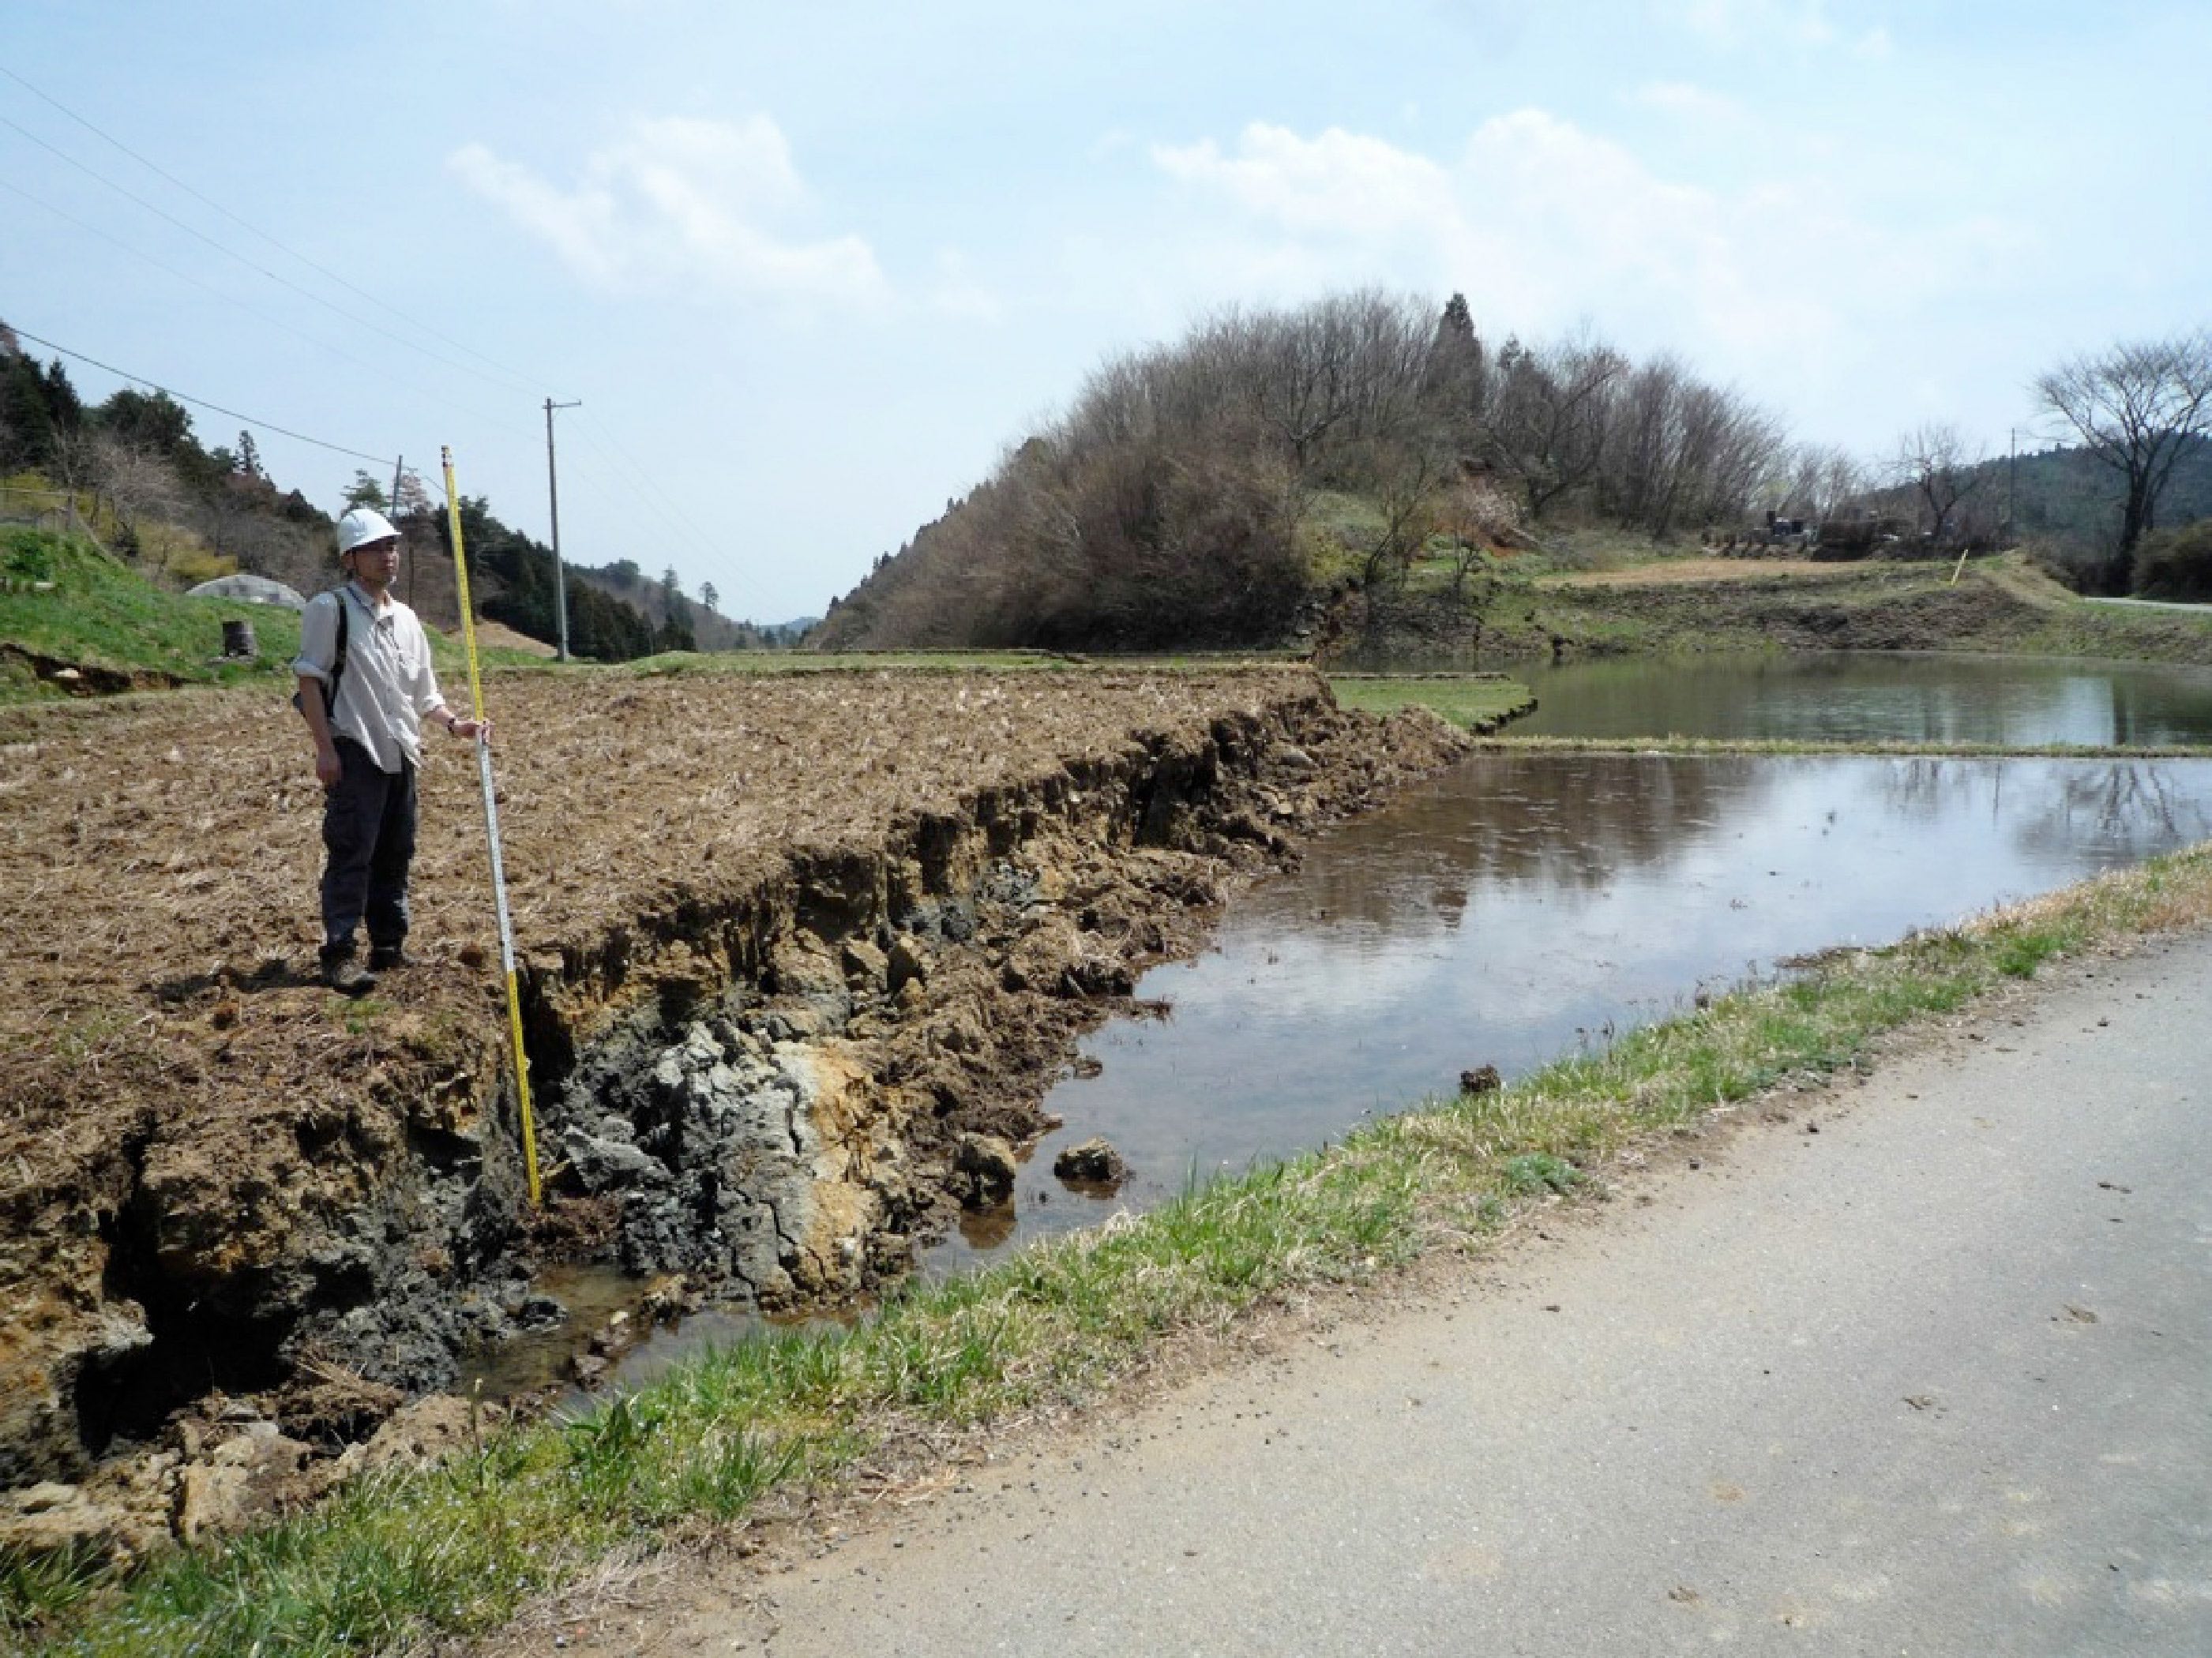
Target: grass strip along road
461	1546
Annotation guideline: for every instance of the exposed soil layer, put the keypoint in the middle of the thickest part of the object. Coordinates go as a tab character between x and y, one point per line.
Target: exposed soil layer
799	959
85	679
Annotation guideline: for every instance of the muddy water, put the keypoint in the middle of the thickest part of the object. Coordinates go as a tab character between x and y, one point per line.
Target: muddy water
1867	695
1523	904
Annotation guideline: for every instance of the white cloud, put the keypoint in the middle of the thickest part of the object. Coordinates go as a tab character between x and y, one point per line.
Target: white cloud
1691	104
1874	45
1542	224
1759	23
1499	23
1340	184
686	205
957	292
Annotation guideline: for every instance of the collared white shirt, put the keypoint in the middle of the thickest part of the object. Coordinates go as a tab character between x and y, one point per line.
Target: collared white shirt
387	686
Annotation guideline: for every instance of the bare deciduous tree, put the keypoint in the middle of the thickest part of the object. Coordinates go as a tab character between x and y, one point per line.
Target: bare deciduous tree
2135	407
1815	483
1550	416
413	499
1411	475
137	483
76	466
1933	461
1477	516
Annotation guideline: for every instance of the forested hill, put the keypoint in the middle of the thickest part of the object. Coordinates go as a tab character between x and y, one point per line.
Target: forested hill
133	471
2068	496
663	602
1229	488
1185	499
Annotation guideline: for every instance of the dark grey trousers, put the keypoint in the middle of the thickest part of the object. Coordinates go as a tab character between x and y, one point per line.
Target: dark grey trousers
368	831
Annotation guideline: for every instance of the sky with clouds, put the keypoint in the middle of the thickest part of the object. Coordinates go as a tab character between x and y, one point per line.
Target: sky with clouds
810	268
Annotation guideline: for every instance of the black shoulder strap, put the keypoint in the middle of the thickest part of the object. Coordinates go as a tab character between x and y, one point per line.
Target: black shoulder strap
338	664
337	660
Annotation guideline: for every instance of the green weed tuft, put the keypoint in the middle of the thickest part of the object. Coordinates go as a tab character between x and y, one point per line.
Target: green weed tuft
37	1590
1533	1173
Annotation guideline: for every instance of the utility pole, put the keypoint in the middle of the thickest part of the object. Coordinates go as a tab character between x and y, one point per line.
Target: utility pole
2012	483
399	471
553	494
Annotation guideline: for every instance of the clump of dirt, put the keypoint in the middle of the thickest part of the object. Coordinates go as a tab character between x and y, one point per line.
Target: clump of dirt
788	945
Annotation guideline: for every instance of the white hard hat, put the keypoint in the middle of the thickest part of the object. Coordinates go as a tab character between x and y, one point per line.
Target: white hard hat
360	526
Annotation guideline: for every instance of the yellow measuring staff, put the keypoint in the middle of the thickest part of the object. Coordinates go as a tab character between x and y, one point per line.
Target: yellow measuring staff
491	833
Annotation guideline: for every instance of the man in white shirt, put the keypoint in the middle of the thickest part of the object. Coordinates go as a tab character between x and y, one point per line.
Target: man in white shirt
366	686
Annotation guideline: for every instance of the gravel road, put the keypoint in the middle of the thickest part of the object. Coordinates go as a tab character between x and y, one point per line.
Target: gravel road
1925	1369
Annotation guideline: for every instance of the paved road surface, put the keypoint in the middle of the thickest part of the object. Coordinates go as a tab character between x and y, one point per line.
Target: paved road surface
1936	1379
2192	608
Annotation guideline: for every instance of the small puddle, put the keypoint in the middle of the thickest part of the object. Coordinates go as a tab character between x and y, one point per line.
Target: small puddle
541	1364
529	1363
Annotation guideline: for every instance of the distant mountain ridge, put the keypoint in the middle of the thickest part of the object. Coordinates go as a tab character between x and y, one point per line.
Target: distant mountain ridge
624	581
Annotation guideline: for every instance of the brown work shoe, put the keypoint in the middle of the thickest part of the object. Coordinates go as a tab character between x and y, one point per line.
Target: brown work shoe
348	977
390	958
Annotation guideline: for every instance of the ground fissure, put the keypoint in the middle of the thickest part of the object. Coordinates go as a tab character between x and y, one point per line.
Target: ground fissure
788	956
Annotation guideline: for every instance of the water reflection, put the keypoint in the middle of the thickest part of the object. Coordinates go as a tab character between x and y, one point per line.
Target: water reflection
2133	812
1554	820
1526	903
1862	697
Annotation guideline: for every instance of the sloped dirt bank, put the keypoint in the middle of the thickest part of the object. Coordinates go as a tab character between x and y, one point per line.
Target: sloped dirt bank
1996	606
800	957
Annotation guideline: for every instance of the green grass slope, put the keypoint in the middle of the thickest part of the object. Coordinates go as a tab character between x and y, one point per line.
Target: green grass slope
68	609
75	622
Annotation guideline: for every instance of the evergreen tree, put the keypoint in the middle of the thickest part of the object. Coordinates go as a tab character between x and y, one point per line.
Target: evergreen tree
27	440
366	491
157	423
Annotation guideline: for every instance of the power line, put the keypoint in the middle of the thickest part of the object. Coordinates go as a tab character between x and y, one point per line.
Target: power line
231	253
626	484
160	171
251	311
654	497
664	502
650	493
197	403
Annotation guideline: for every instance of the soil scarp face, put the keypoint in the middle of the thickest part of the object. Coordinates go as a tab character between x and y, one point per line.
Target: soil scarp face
794	952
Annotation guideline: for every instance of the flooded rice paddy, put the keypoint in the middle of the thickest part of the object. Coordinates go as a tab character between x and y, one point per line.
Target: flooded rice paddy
1875	696
1523	905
